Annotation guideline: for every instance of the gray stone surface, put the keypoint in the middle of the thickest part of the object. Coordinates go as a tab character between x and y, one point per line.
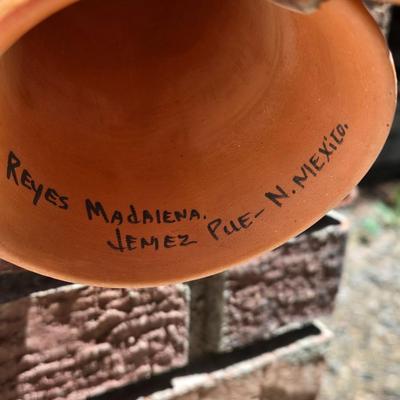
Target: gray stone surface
291	285
364	357
76	341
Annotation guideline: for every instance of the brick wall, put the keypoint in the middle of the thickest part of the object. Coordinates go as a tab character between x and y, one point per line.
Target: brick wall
64	341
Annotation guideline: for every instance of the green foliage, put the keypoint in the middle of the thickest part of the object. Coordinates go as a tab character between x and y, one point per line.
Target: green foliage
383	215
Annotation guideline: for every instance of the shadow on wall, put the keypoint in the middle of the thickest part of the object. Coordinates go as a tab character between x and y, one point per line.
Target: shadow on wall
387	166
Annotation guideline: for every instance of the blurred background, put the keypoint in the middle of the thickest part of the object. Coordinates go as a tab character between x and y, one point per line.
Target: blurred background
364	358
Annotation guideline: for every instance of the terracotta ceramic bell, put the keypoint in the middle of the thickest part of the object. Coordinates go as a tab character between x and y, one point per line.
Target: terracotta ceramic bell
148	142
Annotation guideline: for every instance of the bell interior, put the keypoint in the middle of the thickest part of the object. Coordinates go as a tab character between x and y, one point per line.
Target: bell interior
140	73
127	122
105	98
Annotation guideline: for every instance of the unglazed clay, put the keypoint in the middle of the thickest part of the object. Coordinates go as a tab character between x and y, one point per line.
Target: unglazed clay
148	142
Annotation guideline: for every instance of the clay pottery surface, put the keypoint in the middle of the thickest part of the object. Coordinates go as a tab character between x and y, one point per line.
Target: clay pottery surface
148	142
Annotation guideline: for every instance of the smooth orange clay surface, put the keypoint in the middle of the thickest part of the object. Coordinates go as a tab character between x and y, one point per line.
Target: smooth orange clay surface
148	142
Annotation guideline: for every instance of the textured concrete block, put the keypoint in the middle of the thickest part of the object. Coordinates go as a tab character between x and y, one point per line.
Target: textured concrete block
76	341
292	285
291	372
